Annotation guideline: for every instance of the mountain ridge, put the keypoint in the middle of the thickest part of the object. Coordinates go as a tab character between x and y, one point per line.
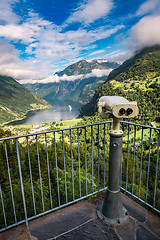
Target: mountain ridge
137	79
82	88
16	101
86	66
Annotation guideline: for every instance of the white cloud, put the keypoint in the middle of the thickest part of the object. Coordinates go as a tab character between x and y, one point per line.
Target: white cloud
25	72
90	11
97	52
56	78
146	32
120	56
12	65
17	32
112	53
46	46
149	6
98	73
26	32
6	13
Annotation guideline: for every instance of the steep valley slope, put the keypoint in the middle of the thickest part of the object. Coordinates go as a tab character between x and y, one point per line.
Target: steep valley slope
137	79
16	101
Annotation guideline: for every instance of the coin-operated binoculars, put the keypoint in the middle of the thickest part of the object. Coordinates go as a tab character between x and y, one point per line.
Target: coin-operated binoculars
112	210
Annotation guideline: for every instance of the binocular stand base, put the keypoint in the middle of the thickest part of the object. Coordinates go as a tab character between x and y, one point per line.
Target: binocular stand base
109	221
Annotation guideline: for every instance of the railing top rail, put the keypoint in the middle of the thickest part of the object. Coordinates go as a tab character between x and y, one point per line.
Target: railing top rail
75	127
140	125
55	130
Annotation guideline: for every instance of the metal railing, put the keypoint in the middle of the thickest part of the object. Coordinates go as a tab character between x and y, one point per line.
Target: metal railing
43	172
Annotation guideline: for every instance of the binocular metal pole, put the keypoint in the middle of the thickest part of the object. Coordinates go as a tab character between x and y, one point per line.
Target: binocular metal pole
112	211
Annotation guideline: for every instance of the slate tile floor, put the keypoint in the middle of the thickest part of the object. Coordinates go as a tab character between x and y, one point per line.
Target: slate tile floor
80	222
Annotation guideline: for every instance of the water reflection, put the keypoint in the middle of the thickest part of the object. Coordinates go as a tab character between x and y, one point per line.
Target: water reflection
58	111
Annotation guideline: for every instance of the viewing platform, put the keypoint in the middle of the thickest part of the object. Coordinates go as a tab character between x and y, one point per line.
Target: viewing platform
51	189
80	221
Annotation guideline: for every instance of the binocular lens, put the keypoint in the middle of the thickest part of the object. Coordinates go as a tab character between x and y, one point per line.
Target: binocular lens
129	111
122	111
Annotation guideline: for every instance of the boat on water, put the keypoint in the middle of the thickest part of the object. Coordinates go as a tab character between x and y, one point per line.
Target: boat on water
69	107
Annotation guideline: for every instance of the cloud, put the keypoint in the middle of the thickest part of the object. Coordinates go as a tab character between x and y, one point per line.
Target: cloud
120	56
24	72
90	11
26	32
17	33
97	52
150	6
12	65
55	78
112	53
98	73
45	48
6	13
146	32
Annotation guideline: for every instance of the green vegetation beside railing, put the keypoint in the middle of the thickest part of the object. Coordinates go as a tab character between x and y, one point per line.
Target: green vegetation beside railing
42	172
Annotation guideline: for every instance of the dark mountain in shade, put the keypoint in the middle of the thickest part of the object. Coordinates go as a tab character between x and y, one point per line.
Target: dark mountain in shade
16	101
137	79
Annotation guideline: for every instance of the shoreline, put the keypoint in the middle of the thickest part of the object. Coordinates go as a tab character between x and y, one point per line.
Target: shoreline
47	114
25	116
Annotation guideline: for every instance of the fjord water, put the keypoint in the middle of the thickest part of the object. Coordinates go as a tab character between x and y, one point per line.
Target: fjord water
59	110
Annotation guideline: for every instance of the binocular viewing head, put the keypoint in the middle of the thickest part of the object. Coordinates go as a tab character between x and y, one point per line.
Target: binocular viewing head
115	106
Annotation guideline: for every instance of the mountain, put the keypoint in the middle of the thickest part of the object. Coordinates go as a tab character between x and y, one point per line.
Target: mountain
86	66
16	101
137	79
77	82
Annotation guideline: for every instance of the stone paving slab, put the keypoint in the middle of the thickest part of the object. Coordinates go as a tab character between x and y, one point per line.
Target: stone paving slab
80	222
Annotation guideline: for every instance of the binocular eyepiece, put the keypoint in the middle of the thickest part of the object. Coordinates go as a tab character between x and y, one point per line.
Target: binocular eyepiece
122	111
117	106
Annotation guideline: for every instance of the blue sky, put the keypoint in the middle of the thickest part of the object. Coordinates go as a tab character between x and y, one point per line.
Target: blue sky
41	37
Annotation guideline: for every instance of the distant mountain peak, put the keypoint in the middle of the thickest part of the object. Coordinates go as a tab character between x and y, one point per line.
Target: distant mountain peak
86	66
77	82
97	60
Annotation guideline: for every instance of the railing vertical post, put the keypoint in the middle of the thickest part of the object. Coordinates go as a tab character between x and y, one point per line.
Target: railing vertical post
149	156
21	181
98	159
64	161
14	210
4	214
49	178
40	178
92	156
72	164
55	149
79	165
86	161
104	153
155	184
30	171
127	158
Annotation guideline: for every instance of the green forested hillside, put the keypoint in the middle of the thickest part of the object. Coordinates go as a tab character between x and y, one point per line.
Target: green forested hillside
16	101
137	79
